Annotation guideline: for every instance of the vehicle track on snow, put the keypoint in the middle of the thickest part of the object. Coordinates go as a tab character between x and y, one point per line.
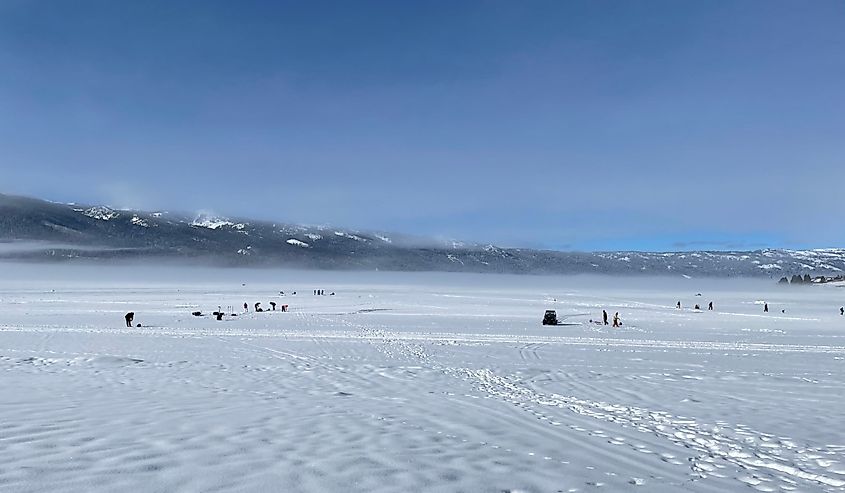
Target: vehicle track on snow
769	461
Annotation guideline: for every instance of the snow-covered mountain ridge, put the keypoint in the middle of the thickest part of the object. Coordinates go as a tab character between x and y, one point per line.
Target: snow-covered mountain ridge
32	229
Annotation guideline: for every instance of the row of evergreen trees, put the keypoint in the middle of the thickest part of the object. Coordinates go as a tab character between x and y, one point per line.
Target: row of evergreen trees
796	279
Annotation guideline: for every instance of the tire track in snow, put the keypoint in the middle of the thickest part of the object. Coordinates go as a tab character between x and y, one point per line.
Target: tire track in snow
528	352
362	332
765	456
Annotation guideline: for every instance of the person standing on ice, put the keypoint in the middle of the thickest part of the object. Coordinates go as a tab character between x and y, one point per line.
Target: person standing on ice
616	321
246	307
710	306
129	317
604	316
842	310
679	305
765	308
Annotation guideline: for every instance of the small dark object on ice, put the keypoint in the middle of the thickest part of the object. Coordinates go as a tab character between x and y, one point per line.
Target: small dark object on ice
138	325
550	318
196	314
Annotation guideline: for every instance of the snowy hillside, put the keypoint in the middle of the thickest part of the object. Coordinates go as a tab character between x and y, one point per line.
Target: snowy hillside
33	229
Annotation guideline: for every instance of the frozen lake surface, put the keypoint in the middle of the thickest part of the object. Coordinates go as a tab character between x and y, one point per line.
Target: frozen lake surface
416	382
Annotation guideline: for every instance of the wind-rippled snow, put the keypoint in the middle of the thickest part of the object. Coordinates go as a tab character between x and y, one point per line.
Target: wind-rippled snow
414	382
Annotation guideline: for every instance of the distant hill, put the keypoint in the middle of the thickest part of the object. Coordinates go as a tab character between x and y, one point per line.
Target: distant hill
38	230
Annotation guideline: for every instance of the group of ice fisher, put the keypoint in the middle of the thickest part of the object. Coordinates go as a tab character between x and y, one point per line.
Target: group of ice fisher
617	321
220	313
765	308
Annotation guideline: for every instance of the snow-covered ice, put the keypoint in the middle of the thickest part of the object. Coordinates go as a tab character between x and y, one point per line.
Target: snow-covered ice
415	382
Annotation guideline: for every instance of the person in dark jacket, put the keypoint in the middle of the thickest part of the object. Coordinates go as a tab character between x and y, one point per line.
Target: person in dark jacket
765	308
129	317
710	306
604	316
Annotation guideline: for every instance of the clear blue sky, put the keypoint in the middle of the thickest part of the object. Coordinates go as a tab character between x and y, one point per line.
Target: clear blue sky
561	124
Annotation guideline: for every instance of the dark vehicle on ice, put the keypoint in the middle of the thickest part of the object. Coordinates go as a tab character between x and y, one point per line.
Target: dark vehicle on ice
550	318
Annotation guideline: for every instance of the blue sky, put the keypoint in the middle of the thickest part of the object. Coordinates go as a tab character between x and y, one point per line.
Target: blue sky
560	124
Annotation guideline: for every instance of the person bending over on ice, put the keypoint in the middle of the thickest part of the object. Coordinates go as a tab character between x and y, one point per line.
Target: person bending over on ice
129	317
617	322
